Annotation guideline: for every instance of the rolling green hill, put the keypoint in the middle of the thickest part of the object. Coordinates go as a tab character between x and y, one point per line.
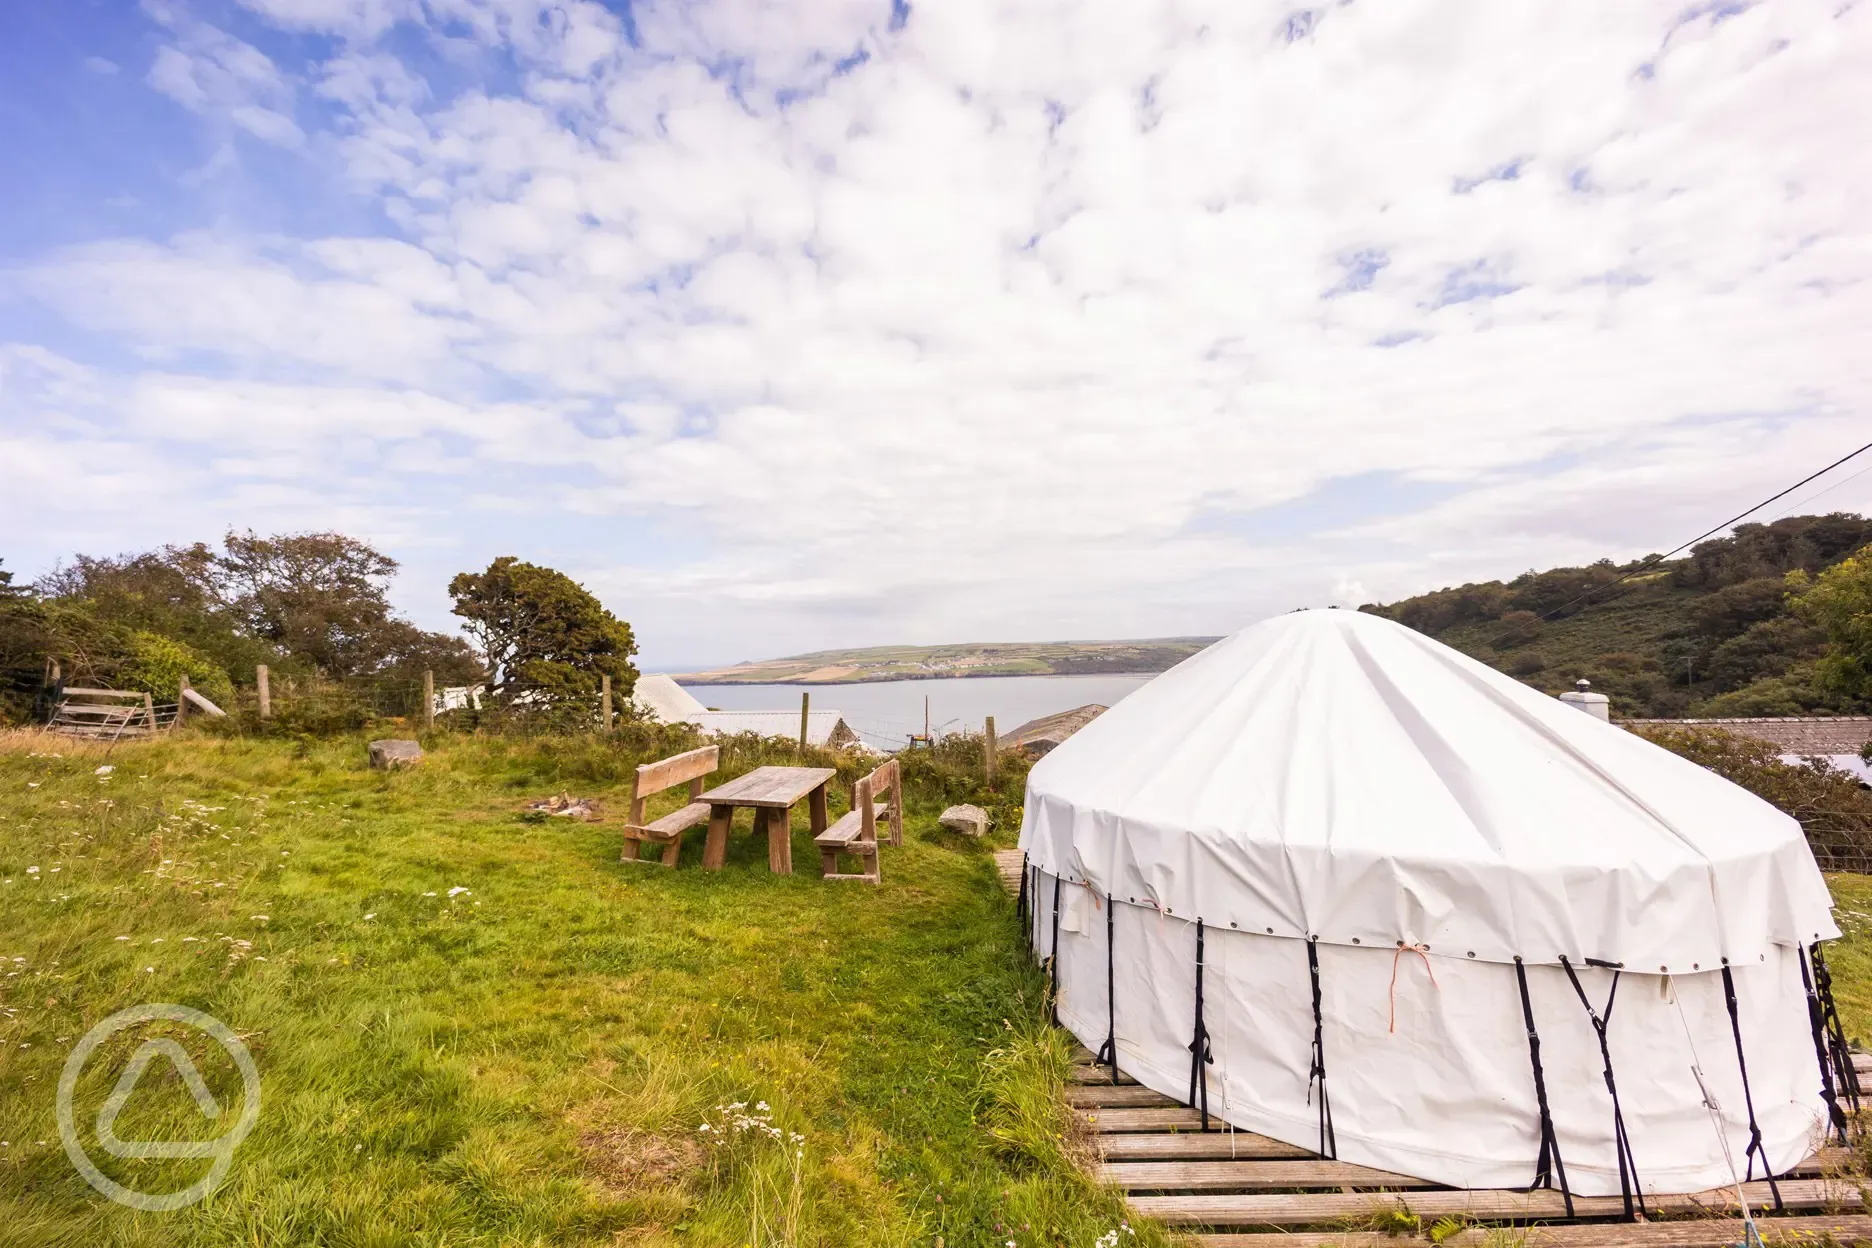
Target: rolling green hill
1707	634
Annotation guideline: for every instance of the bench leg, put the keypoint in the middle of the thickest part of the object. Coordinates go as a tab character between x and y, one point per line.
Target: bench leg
673	850
828	862
632	847
715	850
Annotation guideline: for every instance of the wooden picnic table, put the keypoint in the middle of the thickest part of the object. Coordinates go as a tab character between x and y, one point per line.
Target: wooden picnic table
771	792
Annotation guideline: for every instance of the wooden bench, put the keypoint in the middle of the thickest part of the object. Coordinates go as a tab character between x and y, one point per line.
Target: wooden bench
856	833
654	778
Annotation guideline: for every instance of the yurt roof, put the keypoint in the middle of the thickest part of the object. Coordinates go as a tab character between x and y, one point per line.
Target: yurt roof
1332	775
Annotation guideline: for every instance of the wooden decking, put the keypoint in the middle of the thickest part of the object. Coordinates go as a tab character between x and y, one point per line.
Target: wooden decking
1242	1190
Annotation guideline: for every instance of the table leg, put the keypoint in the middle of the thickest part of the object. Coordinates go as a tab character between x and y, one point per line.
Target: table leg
816	806
780	841
715	851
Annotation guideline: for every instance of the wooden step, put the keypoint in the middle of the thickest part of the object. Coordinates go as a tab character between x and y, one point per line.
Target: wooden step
1810	1230
1316	1209
1199	1146
1124	1096
1248	1176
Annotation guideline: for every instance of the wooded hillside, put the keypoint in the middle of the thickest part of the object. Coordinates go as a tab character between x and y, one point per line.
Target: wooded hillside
1710	634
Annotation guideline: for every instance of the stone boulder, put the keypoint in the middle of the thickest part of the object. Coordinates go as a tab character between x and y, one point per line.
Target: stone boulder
968	820
390	753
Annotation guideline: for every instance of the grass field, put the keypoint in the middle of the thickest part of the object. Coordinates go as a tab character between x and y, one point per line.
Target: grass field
473	1029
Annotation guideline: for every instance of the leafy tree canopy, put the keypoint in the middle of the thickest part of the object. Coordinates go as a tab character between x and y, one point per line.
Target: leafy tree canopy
307	603
324	598
542	630
1839	601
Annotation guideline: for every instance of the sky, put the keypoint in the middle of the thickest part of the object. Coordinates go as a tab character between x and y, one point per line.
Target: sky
789	326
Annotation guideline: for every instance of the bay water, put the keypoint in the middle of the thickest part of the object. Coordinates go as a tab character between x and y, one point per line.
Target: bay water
885	713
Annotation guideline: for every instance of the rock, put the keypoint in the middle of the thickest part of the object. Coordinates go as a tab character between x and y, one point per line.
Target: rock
968	820
394	753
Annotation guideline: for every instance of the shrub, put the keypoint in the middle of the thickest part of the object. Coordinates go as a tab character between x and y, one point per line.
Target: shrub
157	664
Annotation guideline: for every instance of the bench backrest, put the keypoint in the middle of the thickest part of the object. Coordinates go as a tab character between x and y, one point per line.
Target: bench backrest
690	765
868	792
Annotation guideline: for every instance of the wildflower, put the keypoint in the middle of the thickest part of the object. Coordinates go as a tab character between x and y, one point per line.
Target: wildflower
105	770
428	894
370	916
457	891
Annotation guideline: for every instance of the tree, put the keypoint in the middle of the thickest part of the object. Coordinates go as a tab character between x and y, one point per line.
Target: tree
540	629
324	598
7	588
1839	600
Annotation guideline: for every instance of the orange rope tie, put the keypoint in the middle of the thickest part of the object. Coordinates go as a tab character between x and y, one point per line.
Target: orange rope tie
1422	951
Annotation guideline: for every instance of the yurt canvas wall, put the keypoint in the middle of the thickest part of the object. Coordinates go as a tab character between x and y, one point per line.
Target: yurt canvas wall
1383	841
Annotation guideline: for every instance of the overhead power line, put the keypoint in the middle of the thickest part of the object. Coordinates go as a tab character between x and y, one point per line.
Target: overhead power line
1654	560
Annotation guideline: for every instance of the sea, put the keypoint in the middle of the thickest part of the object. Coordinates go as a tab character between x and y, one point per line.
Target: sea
885	713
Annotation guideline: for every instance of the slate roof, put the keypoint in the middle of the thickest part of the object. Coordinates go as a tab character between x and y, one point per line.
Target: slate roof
1037	736
1807	736
667	700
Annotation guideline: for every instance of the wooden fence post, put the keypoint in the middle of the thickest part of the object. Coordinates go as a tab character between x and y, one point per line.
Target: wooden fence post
805	712
989	748
428	714
265	690
604	700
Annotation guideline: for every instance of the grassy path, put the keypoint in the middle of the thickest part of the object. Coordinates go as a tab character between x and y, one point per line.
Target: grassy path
478	1030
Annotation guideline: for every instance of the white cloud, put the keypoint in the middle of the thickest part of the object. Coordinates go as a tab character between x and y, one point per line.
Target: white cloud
210	72
1018	319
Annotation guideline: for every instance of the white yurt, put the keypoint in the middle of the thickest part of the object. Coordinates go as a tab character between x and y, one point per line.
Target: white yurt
1336	883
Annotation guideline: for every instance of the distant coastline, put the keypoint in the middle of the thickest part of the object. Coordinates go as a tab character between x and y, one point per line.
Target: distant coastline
686	680
970	661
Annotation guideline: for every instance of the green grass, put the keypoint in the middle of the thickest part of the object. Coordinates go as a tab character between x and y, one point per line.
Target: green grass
1850	959
528	1062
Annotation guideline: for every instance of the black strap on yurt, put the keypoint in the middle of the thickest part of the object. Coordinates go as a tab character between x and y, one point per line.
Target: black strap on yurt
1843	1072
1199	1045
1053	958
1108	1052
1548	1163
1329	1139
1628	1169
1816	1018
1754	1148
1020	902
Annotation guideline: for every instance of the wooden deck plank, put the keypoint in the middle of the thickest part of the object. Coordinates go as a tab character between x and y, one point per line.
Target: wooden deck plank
1174	1118
1248	1176
1123	1096
1098	1074
1696	1233
1315	1209
1199	1146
